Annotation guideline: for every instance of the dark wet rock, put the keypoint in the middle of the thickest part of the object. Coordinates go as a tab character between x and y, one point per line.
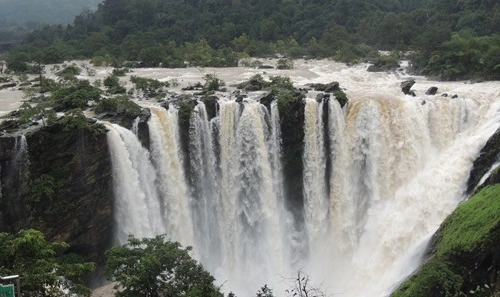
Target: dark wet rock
196	87
266	99
327	88
489	154
444	95
383	65
8	85
406	86
240	97
454	96
265	67
322	96
211	104
303	91
431	91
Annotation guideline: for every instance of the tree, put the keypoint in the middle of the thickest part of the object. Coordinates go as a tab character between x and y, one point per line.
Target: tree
153	267
42	265
265	292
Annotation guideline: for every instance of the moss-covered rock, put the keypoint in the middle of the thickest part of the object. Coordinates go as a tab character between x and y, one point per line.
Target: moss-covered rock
464	255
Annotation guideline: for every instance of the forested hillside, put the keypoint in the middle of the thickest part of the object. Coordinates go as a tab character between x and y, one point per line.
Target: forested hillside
29	13
452	39
18	17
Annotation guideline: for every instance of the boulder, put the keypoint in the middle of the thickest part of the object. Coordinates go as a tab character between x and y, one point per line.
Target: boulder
454	96
406	86
431	91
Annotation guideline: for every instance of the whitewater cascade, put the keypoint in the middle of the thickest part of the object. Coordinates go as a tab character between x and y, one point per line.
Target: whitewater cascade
380	175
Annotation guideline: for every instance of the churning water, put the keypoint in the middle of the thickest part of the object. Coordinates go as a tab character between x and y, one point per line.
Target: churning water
399	165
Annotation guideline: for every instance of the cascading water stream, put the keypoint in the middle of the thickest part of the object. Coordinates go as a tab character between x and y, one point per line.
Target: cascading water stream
396	168
171	179
137	204
204	189
253	230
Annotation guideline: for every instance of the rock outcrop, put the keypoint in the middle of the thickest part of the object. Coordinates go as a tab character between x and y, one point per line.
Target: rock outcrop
406	86
61	185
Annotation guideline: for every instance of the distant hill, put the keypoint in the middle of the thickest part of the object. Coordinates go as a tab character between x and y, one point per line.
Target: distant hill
451	39
31	13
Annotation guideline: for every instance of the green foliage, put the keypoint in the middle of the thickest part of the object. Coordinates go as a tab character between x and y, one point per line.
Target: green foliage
41	265
120	104
120	71
384	63
341	97
284	63
472	230
42	111
44	187
112	84
150	87
75	96
173	33
154	267
69	72
280	82
185	112
463	56
212	84
74	119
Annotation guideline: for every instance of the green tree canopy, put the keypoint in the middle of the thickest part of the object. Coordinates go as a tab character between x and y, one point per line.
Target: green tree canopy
43	267
153	267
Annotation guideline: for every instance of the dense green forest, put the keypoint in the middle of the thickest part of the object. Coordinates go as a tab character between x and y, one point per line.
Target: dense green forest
450	39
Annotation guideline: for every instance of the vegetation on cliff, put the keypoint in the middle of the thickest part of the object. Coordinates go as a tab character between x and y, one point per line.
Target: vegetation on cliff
464	258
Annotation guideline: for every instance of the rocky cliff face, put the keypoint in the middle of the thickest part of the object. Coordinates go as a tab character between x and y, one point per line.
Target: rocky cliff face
62	185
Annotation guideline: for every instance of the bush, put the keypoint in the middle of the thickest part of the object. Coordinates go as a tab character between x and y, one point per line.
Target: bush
156	267
76	96
121	104
150	87
284	63
212	84
112	83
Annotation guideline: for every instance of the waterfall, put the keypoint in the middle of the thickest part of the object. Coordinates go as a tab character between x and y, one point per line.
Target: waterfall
253	234
135	125
315	198
171	178
204	189
379	177
137	204
398	169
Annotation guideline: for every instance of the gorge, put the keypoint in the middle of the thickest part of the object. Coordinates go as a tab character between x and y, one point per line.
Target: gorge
349	195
